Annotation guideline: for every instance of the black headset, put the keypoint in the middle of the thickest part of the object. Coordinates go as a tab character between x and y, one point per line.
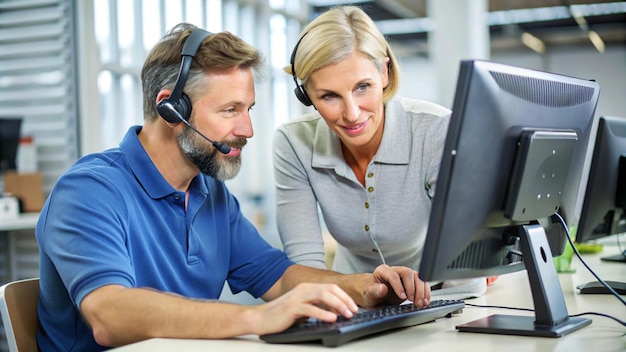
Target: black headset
178	105
299	90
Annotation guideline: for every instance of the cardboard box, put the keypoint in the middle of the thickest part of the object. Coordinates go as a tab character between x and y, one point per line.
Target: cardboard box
27	187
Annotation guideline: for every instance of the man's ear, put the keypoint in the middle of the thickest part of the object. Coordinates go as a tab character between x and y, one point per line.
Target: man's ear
163	94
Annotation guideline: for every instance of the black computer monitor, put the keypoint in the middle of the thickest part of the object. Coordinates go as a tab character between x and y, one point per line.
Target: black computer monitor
512	159
602	212
9	140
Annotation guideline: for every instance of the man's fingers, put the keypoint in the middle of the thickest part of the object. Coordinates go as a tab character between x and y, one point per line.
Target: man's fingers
329	296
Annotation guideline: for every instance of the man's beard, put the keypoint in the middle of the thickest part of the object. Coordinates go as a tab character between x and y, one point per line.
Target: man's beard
206	158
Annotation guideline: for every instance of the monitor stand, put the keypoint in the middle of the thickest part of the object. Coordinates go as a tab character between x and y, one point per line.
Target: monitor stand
551	317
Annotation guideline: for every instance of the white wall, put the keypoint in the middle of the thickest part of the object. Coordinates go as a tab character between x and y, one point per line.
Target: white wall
608	68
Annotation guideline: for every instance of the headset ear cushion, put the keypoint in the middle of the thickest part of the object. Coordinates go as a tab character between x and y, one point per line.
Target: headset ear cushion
302	95
184	106
166	110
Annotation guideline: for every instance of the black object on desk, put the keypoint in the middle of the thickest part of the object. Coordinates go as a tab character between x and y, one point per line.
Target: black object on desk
615	258
596	287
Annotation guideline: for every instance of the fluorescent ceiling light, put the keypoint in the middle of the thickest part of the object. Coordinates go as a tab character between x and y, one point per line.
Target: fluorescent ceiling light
533	42
581	21
596	41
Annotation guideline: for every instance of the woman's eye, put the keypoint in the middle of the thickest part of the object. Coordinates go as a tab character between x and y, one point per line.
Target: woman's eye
363	87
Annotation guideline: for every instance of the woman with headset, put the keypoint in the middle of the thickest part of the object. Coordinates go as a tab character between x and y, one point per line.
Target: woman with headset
366	158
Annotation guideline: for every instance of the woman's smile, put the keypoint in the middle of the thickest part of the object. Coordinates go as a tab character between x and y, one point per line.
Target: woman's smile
356	129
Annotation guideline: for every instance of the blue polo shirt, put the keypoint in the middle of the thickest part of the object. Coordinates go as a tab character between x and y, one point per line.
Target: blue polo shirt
113	219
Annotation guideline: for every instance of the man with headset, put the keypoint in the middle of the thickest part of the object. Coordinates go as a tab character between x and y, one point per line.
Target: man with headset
137	241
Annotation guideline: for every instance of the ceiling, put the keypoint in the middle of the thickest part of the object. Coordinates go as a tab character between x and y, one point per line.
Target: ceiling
551	21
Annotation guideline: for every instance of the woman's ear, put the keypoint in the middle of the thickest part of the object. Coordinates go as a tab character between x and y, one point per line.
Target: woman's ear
385	71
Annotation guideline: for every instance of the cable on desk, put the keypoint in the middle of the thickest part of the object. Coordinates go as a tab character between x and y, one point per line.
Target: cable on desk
623	323
571	243
499	307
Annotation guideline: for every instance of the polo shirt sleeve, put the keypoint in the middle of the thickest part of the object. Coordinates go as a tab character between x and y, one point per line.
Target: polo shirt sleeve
433	150
297	216
254	264
85	239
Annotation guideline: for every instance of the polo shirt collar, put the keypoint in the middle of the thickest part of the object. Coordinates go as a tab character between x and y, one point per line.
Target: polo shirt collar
394	148
146	173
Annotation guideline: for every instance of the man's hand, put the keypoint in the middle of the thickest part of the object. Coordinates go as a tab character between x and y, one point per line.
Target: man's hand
321	301
393	285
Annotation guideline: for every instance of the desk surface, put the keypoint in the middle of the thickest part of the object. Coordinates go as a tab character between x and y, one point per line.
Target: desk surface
511	290
24	221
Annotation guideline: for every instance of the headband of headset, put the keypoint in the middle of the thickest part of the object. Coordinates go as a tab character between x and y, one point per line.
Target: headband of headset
192	44
299	91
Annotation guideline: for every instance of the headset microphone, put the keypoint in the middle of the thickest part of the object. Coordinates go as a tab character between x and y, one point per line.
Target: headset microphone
167	105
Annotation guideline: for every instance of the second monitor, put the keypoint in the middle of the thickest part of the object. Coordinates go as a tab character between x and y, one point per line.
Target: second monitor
604	206
9	140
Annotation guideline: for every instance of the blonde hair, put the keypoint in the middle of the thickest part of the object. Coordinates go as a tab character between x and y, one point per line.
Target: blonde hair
336	34
218	51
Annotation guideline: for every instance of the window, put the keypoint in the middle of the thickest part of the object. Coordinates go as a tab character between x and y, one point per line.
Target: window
38	79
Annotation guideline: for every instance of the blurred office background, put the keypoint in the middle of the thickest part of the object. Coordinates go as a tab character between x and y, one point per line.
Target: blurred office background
71	69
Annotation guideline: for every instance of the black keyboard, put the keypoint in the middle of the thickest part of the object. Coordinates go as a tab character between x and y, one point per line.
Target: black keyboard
364	323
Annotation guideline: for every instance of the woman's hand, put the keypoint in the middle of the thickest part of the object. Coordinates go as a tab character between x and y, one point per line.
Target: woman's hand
395	284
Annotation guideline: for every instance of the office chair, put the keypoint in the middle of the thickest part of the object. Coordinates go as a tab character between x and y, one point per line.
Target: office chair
18	307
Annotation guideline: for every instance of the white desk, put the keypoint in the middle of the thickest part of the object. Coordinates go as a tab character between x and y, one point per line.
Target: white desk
25	221
509	290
